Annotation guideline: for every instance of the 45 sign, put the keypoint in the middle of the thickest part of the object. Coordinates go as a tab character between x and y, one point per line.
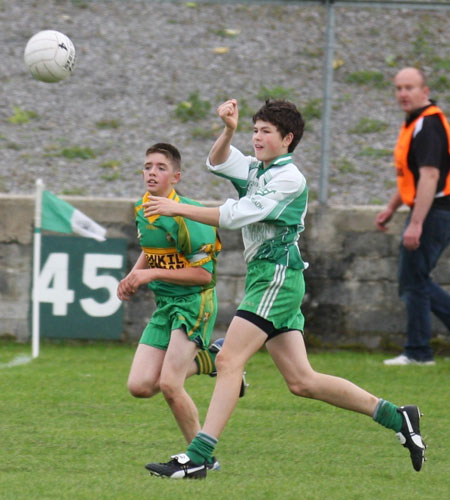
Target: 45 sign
77	287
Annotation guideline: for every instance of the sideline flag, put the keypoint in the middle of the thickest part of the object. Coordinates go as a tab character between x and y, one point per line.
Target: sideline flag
60	216
54	214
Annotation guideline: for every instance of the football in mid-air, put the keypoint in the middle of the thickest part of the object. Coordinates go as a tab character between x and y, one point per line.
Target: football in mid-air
50	56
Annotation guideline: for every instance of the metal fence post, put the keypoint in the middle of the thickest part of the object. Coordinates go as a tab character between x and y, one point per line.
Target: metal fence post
327	101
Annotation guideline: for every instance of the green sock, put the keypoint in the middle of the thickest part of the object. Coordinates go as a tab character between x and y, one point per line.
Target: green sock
202	448
387	415
205	361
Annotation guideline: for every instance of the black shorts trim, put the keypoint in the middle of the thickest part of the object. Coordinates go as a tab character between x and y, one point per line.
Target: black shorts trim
266	326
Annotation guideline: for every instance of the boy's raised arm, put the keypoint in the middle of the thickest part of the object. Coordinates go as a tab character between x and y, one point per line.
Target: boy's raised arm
229	113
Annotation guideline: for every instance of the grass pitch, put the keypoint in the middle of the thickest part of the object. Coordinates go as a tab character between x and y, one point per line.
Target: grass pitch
69	430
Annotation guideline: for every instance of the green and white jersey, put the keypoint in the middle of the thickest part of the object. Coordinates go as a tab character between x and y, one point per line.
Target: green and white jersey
175	243
271	208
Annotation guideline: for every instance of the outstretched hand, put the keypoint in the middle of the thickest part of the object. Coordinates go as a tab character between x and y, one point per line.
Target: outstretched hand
159	205
229	113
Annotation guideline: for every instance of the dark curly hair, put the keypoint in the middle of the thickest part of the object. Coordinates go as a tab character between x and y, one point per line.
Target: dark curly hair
286	118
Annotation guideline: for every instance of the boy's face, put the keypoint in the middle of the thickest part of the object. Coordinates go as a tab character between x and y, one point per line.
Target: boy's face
159	174
268	143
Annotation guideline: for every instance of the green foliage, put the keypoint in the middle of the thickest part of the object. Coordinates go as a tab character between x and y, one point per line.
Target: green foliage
345	166
112	123
81	4
276	92
421	46
110	164
77	152
313	52
390	183
70	152
245	110
226	32
113	170
277	11
375	152
6	144
246	113
440	84
313	195
72	431
113	176
368	126
204	133
312	109
21	116
391	60
441	64
14	146
193	109
80	191
367	77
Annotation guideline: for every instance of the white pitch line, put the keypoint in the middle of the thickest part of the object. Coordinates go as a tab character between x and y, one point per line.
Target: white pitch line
22	359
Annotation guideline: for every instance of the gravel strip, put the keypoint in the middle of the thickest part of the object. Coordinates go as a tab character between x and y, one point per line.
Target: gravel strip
138	60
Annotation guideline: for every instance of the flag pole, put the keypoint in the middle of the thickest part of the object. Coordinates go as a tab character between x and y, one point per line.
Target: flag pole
36	267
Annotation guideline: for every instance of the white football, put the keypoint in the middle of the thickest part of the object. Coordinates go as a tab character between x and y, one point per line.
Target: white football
50	56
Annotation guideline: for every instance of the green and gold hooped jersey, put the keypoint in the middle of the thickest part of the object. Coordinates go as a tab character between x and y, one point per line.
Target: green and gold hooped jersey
271	208
176	243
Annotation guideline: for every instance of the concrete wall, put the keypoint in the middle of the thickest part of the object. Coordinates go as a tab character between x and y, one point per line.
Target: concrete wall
351	282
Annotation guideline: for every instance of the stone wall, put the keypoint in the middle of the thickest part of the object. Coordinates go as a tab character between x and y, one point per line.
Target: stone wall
351	280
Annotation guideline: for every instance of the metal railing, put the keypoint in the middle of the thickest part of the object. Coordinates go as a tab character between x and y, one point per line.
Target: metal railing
330	6
328	69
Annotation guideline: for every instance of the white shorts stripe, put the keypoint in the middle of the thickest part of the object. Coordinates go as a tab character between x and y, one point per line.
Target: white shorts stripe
272	291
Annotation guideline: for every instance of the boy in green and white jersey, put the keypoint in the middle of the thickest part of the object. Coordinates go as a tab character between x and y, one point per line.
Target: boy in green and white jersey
270	210
271	213
178	263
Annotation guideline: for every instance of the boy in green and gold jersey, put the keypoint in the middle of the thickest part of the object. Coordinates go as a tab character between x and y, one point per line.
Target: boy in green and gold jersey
178	263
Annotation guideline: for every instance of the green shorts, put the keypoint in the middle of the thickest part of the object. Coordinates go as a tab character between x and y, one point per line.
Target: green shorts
275	292
195	314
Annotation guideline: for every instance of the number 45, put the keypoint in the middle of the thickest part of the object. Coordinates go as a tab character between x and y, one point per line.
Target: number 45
53	283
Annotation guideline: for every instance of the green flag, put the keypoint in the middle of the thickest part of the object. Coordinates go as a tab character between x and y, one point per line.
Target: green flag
60	216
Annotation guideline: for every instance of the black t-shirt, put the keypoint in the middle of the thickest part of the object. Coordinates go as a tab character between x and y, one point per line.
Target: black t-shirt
429	148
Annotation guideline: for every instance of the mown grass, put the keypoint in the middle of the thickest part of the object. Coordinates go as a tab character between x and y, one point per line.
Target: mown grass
69	430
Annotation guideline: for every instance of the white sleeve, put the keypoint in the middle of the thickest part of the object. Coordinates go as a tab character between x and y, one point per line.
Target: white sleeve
235	214
266	204
235	168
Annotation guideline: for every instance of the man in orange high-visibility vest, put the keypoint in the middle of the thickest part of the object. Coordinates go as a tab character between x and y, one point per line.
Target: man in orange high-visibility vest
422	160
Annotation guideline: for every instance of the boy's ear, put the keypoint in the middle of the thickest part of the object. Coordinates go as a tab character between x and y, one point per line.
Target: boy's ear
287	139
176	177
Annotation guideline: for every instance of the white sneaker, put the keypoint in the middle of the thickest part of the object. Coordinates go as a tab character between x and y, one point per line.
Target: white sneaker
399	360
430	362
404	360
